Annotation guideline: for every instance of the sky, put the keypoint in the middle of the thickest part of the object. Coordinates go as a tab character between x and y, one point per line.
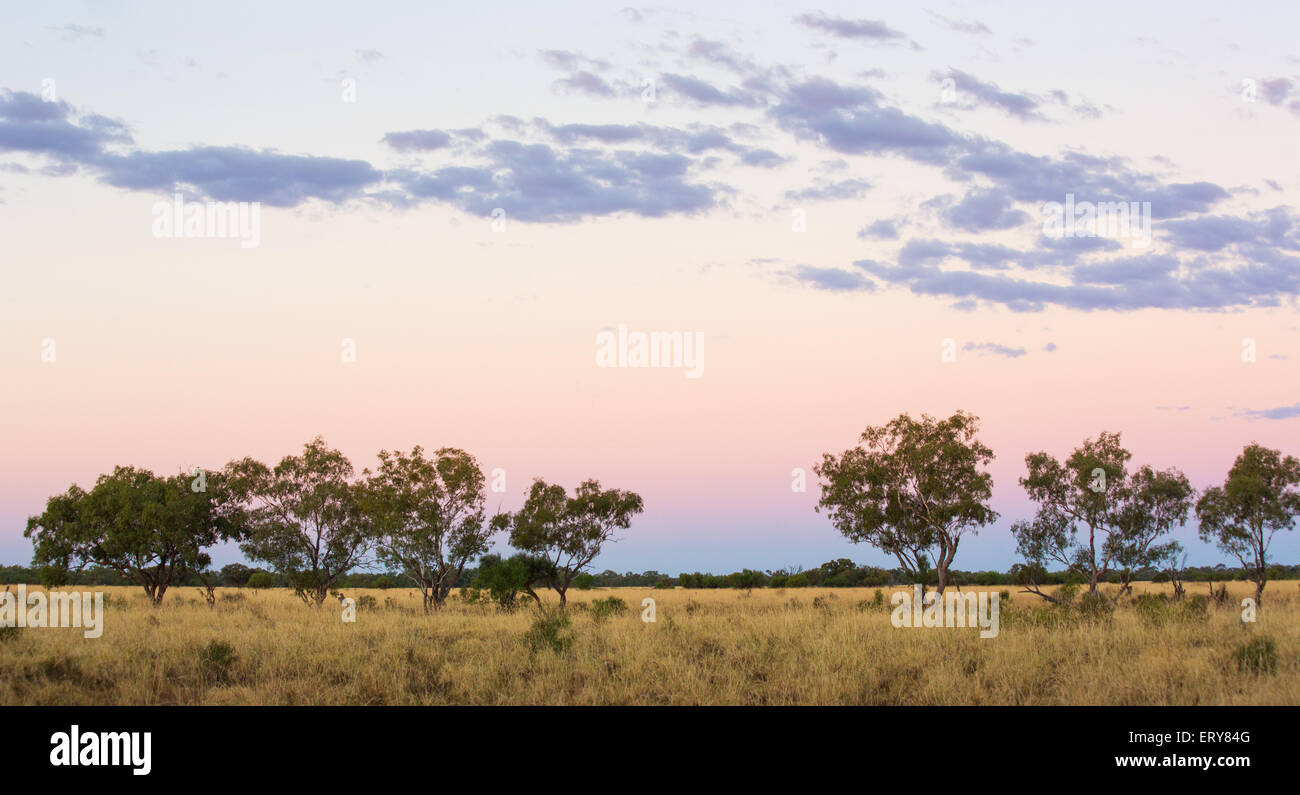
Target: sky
847	206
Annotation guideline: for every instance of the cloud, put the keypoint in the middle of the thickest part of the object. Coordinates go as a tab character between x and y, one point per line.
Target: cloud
832	279
538	183
830	191
417	140
973	26
868	29
570	61
985	209
54	129
994	349
238	174
1279	413
584	82
882	229
972	92
73	32
700	92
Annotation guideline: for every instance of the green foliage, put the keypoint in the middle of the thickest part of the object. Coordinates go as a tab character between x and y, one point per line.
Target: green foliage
261	579
151	530
550	632
1153	608
911	487
797	581
609	606
304	517
570	531
217	662
427	516
1257	656
584	581
505	580
1260	497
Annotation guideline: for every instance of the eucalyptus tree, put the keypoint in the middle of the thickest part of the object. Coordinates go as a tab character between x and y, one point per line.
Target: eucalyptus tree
150	529
568	532
428	516
1260	497
1094	517
913	489
303	517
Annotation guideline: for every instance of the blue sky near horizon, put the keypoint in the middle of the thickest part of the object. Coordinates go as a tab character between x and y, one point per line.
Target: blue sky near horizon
653	166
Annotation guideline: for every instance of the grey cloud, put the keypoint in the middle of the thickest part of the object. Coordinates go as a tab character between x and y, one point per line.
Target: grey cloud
883	229
983	210
1279	413
417	140
237	174
1020	106
832	279
870	29
995	349
830	191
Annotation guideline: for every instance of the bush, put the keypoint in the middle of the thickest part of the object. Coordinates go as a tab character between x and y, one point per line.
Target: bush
1258	656
797	581
549	631
260	580
584	581
217	661
1095	606
778	581
1153	608
1197	608
609	606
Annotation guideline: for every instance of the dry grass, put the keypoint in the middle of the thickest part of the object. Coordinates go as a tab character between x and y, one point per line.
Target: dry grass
707	647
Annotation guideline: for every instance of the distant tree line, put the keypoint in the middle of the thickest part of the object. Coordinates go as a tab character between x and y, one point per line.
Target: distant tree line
841	573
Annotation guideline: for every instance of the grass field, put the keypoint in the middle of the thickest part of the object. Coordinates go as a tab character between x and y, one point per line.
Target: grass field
798	646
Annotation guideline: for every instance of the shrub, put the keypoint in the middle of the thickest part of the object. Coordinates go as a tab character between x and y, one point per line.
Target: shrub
367	602
584	581
8	633
1197	608
1095	606
778	581
609	606
797	581
217	661
260	580
1258	656
549	631
1153	608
